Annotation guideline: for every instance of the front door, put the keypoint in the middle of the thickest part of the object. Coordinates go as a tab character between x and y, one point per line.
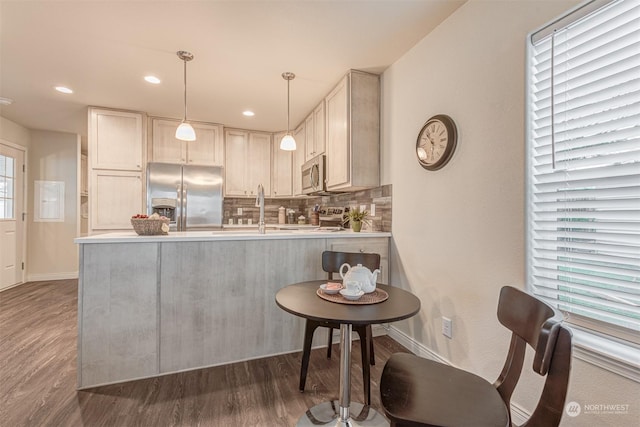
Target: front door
11	221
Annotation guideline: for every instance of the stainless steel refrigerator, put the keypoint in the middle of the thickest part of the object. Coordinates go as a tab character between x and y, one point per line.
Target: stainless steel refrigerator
189	195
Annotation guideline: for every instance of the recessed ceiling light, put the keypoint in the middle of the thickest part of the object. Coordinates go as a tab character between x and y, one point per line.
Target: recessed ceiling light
248	113
6	101
152	79
63	89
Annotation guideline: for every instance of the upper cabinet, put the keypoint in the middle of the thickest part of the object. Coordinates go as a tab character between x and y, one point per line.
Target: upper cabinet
247	162
298	159
353	133
281	168
315	138
116	139
116	160
207	149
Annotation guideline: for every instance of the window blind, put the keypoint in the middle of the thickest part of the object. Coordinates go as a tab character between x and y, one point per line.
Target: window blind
584	167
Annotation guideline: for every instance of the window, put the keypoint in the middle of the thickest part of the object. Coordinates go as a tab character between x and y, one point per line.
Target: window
7	180
583	167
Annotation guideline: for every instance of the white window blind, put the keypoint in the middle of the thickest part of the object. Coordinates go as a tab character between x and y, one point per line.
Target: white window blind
583	164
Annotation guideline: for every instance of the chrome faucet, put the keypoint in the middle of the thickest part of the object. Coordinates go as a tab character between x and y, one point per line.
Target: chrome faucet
260	203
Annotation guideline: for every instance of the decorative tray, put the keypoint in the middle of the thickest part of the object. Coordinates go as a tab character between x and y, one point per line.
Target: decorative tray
371	298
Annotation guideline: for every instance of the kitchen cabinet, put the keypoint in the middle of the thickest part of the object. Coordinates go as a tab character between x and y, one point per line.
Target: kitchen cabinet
84	175
84	194
353	133
298	159
207	149
115	197
376	245
116	163
247	162
315	132
281	169
116	139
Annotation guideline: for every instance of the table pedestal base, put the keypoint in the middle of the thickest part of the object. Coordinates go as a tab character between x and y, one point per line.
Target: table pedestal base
328	414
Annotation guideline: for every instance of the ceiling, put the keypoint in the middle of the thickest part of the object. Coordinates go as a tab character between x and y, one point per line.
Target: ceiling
103	49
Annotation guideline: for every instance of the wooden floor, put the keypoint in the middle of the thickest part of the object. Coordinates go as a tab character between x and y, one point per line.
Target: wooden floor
38	332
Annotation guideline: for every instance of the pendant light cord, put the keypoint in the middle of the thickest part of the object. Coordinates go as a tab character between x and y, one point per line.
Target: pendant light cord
288	101
185	90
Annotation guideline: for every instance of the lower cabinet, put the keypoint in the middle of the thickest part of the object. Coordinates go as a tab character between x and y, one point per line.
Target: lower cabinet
115	197
366	245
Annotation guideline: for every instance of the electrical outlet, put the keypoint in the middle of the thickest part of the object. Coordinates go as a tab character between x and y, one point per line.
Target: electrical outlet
447	327
239	211
372	211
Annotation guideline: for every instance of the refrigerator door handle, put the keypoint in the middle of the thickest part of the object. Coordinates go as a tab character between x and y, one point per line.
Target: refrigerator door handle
184	207
179	208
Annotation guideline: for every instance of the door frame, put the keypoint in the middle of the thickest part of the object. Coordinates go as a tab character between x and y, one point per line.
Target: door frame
23	214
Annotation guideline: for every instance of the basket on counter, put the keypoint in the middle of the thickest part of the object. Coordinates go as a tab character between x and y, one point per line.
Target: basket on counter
148	227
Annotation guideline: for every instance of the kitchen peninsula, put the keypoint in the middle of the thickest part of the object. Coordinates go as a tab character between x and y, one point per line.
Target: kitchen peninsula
153	305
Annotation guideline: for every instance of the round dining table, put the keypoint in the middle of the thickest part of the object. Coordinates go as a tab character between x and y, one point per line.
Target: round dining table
302	299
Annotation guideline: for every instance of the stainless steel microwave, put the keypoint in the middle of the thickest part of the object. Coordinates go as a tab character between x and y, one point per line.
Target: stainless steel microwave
313	175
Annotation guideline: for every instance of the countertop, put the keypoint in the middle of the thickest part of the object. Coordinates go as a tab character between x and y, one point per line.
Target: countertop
250	233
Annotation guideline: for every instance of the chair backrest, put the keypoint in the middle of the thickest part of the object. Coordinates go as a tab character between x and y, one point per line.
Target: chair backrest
332	261
535	323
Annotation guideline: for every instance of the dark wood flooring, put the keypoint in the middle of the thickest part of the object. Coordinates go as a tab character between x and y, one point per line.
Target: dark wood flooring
38	328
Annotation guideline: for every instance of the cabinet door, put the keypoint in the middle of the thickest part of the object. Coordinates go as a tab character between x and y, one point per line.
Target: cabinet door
338	149
298	159
207	149
319	125
373	245
281	168
164	145
84	175
235	171
116	139
116	196
309	136
259	163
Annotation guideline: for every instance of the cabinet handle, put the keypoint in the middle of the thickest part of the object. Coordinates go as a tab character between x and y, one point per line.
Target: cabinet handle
361	251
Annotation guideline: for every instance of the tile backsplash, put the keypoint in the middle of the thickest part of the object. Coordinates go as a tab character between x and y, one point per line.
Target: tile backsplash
379	196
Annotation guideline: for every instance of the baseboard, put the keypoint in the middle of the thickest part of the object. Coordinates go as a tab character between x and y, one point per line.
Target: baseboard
518	414
52	276
416	348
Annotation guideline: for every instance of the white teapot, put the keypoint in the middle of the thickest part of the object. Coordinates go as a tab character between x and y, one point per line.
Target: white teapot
360	274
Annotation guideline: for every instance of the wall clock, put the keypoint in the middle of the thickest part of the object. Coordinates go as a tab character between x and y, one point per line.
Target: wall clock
436	142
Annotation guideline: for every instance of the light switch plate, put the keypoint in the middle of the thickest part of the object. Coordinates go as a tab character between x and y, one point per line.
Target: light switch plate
363	208
239	211
372	211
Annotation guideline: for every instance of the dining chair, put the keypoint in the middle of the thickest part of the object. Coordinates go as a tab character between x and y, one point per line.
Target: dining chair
418	392
331	263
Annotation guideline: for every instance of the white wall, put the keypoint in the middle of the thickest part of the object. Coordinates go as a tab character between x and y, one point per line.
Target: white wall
13	132
51	253
459	233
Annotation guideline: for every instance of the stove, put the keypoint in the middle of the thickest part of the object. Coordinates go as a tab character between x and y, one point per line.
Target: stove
332	215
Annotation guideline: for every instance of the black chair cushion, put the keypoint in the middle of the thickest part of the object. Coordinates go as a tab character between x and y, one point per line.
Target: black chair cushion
420	390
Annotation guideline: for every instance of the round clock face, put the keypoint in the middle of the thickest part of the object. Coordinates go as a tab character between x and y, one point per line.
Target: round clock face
436	142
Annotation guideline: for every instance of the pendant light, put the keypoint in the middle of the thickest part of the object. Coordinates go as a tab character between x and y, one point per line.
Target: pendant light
288	143
185	131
